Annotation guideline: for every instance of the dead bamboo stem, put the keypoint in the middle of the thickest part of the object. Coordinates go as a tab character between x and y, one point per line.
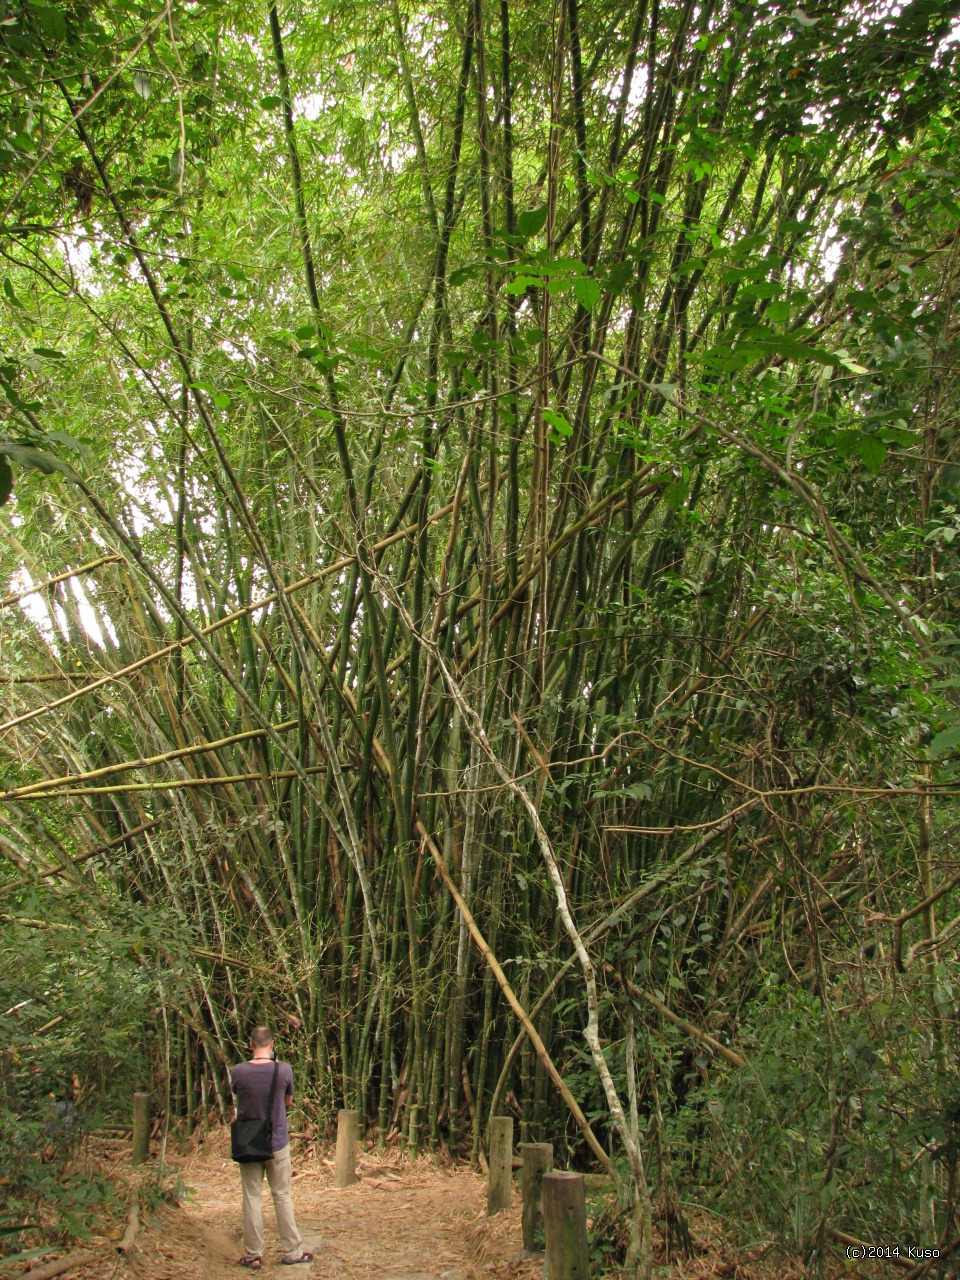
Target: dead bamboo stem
34	788
17	596
91	853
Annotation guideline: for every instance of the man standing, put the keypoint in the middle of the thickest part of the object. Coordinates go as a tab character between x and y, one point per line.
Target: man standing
251	1083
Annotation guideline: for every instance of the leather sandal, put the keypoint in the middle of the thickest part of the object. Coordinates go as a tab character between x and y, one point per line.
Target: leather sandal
306	1256
251	1260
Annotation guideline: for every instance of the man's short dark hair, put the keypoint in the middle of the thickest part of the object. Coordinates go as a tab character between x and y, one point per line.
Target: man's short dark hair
261	1037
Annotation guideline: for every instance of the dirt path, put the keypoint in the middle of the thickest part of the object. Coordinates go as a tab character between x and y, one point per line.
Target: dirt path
402	1221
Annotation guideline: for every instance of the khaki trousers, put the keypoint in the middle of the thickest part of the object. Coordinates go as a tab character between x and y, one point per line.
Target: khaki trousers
278	1172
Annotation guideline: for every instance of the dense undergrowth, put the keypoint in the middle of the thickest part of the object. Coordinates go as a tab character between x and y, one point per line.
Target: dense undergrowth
75	1041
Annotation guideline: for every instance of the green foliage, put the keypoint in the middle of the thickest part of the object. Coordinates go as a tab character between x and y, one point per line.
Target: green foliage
830	1117
75	1040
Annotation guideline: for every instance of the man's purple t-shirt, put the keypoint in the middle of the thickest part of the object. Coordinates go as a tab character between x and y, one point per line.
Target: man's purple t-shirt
250	1082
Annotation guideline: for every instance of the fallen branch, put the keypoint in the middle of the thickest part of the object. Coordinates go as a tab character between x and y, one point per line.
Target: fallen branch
142	762
125	1243
72	1262
33	924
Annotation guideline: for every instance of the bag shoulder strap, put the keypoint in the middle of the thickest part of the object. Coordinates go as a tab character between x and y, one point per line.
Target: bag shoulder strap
273	1090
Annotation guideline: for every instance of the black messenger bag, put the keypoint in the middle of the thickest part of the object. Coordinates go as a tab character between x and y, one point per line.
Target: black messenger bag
250	1139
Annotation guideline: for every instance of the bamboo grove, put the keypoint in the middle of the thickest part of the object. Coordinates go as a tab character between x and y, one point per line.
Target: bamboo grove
481	573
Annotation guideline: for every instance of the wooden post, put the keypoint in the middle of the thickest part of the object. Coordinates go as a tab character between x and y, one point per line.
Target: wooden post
141	1128
345	1164
499	1184
537	1160
565	1226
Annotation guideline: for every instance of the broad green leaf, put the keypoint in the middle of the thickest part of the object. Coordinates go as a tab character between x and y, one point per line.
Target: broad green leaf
531	222
873	452
638	791
141	84
761	289
61	437
520	284
619	276
793	348
900	436
847	443
38	459
561	267
50	20
559	423
848	363
667	389
588	291
946	740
